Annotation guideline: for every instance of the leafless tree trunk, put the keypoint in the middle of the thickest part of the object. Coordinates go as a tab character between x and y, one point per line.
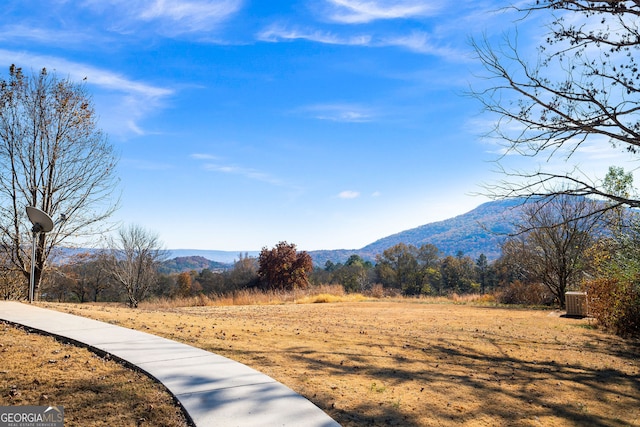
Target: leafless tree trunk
553	237
135	255
52	157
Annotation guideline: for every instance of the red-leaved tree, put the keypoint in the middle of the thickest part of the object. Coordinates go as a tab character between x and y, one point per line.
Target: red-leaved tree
283	268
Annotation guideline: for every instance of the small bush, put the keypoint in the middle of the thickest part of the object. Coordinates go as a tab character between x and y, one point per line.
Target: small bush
376	291
486	299
615	304
379	291
473	298
527	294
337	290
321	298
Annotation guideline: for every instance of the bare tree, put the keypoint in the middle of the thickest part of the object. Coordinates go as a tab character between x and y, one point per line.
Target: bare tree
244	272
552	241
135	256
583	88
53	157
84	275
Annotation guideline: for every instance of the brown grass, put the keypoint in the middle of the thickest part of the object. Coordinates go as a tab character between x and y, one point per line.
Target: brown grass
413	363
334	293
37	370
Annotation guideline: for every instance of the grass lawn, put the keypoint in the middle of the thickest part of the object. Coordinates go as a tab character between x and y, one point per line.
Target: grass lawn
412	363
38	370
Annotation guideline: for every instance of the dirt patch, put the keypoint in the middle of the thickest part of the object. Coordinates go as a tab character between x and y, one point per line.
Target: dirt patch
417	364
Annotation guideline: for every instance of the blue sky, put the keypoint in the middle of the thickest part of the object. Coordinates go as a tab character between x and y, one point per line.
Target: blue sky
325	123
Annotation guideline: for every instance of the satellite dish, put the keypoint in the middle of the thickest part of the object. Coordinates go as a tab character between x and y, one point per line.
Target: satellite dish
40	220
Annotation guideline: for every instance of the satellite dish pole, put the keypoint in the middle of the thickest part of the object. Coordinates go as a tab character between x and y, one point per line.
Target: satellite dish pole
42	223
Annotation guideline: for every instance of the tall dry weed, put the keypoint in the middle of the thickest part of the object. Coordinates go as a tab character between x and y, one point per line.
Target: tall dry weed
199	300
249	296
325	293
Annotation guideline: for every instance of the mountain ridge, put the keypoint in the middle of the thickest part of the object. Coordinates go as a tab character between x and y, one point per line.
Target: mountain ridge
481	230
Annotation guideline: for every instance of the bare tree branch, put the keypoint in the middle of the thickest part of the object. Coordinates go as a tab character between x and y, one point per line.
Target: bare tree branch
53	157
584	87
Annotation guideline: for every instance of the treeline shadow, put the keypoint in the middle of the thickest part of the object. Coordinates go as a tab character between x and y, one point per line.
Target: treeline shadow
493	370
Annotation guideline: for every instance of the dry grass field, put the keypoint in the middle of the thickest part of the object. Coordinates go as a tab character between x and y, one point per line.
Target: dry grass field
411	363
38	370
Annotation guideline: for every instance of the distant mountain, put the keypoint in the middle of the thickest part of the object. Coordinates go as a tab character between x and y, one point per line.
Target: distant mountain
480	231
221	256
189	263
178	259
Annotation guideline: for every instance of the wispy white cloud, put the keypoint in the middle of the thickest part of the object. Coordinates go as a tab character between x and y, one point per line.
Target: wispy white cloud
202	156
350	113
171	17
348	194
363	11
133	127
212	164
416	41
420	42
600	149
130	101
277	33
43	35
78	71
192	15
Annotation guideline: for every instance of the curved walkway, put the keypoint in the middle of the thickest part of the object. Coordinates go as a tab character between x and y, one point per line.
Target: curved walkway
213	390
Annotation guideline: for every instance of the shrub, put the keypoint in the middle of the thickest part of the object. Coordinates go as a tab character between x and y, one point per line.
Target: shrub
321	298
615	303
518	292
376	291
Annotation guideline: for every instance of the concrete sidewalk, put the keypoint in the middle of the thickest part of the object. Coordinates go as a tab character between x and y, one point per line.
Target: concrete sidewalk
214	390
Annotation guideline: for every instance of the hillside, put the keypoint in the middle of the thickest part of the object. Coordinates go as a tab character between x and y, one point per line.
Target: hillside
226	257
481	230
189	263
177	264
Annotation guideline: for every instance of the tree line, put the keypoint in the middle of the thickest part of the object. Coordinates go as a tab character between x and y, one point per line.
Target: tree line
560	244
130	275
